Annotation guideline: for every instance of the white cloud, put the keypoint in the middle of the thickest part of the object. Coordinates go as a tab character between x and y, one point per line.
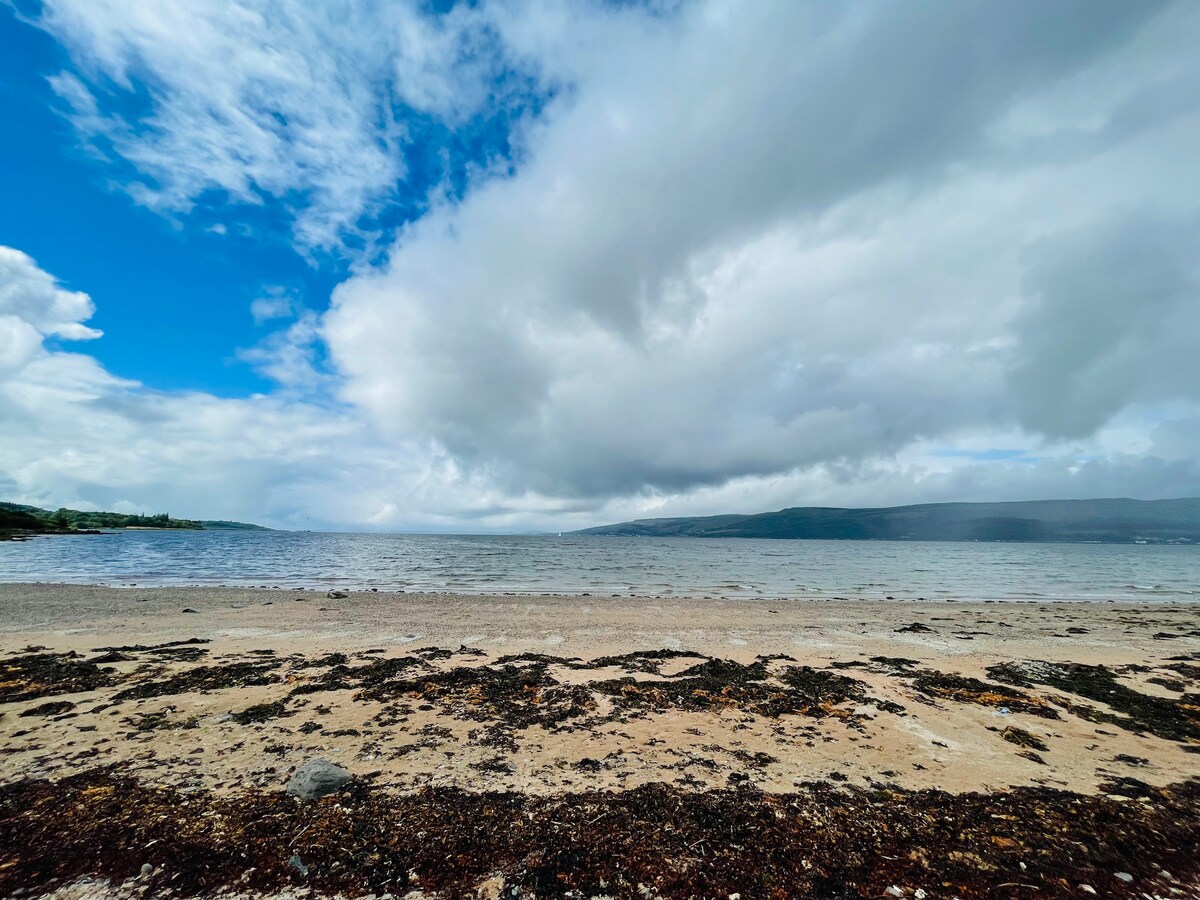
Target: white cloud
748	257
289	357
34	297
275	303
263	101
748	243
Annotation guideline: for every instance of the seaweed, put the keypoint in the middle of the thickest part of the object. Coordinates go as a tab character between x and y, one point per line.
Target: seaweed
544	658
518	696
321	662
160	719
1023	738
381	671
1171	684
655	840
1173	719
445	653
1130	760
341	677
719	683
141	648
262	712
112	656
649	661
895	662
1188	671
52	708
179	654
204	678
962	689
48	674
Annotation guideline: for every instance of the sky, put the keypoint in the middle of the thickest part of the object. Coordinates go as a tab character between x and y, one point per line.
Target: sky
528	265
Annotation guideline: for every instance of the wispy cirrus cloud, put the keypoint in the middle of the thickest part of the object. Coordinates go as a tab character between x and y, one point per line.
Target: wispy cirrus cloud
308	105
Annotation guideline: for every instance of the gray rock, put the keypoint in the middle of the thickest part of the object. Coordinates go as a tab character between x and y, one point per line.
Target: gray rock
316	778
337	595
188	609
1123	876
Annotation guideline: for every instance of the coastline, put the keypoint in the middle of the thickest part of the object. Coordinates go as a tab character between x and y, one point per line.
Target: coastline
551	699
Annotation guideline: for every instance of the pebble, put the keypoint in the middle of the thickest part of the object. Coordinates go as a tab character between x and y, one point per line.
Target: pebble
337	595
1087	889
1124	876
894	891
147	869
188	609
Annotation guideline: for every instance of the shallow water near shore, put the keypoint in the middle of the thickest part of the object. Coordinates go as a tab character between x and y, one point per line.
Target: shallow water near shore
719	567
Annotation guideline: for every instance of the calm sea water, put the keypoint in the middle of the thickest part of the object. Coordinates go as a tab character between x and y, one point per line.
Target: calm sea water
721	567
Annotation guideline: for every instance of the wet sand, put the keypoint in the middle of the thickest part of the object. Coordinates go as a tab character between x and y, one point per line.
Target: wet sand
545	698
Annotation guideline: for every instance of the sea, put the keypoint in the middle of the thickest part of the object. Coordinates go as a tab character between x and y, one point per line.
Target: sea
605	566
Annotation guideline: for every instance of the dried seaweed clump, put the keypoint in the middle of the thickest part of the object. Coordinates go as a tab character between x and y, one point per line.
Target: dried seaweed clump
204	678
516	696
651	841
341	677
720	683
262	712
1174	719
1023	738
51	708
649	661
962	689
47	674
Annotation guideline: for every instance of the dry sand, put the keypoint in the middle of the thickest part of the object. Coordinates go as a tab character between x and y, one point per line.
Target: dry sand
933	741
515	693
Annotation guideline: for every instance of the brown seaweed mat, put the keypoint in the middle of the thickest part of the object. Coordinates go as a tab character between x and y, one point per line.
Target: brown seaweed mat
655	841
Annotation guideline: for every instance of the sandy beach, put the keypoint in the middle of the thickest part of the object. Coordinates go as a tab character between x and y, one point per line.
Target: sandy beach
218	695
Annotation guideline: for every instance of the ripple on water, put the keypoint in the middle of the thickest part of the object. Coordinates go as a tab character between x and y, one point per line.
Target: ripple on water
575	564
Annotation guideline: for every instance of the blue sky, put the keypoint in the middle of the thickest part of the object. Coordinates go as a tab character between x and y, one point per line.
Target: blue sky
513	265
173	299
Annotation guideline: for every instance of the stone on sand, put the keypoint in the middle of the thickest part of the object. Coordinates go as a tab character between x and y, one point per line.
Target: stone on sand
316	778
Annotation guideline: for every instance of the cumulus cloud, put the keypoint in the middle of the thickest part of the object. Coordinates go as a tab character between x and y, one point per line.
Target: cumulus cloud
785	237
33	306
745	256
75	434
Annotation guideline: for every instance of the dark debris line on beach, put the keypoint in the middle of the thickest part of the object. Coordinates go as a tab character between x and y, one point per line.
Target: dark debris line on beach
651	841
37	674
520	691
1169	718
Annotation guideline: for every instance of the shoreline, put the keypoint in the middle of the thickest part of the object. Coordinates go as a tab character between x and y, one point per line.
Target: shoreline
1149	598
573	707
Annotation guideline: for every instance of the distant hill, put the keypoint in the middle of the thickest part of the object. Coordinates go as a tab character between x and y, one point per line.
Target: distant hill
1117	521
15	517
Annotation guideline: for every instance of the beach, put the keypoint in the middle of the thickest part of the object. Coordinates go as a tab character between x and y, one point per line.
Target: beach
535	709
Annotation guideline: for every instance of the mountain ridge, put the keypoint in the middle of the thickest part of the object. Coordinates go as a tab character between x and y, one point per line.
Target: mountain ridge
1105	520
